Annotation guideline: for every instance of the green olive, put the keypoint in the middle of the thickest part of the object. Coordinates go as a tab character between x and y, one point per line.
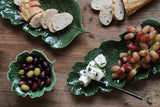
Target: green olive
29	59
25	88
21	72
37	71
30	74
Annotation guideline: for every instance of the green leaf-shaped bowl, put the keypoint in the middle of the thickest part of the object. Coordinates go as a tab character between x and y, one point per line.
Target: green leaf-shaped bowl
57	40
14	77
111	50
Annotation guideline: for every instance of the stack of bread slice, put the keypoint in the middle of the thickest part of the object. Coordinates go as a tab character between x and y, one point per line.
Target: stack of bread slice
37	17
115	8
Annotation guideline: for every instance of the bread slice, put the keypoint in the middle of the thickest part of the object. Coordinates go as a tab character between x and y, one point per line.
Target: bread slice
131	6
61	21
28	4
35	20
98	4
118	10
47	15
105	15
50	25
28	13
17	2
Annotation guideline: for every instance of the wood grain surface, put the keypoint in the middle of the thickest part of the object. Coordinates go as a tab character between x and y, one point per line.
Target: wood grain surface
13	40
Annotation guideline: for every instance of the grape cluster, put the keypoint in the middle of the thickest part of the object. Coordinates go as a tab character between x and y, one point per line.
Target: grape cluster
144	49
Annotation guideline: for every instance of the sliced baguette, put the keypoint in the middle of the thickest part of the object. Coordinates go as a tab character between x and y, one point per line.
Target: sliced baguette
131	6
47	15
28	4
118	10
98	4
61	21
35	20
105	15
50	25
28	13
17	2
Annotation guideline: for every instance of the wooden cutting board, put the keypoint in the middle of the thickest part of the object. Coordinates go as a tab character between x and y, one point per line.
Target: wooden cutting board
13	41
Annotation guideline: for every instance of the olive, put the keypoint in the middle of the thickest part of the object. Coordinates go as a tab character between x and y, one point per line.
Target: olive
25	69
48	81
40	66
41	85
25	88
29	82
23	77
29	59
21	72
21	83
45	64
34	87
39	81
35	61
42	75
23	65
35	79
48	71
30	67
37	71
30	74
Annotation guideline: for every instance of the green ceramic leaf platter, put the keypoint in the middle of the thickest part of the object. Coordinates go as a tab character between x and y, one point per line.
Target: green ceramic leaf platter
57	40
111	50
14	77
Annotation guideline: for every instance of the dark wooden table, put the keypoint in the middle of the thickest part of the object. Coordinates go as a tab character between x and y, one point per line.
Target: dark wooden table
13	40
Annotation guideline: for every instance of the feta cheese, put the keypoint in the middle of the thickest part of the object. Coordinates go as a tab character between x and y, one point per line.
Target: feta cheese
100	74
83	72
84	80
101	60
94	70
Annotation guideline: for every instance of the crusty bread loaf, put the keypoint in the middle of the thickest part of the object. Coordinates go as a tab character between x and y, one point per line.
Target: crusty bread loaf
17	2
105	15
47	15
50	25
98	4
35	20
118	10
61	21
28	13
131	6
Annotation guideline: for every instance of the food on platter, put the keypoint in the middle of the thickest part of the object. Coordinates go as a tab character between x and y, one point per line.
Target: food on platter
31	12
116	8
31	74
112	50
144	48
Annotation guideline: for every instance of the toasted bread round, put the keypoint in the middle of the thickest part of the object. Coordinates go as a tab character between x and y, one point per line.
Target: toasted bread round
61	21
47	15
50	25
105	15
98	4
28	13
28	4
118	10
35	20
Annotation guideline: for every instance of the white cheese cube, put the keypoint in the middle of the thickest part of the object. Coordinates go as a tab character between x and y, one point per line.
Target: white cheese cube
84	80
101	60
83	72
100	74
91	72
